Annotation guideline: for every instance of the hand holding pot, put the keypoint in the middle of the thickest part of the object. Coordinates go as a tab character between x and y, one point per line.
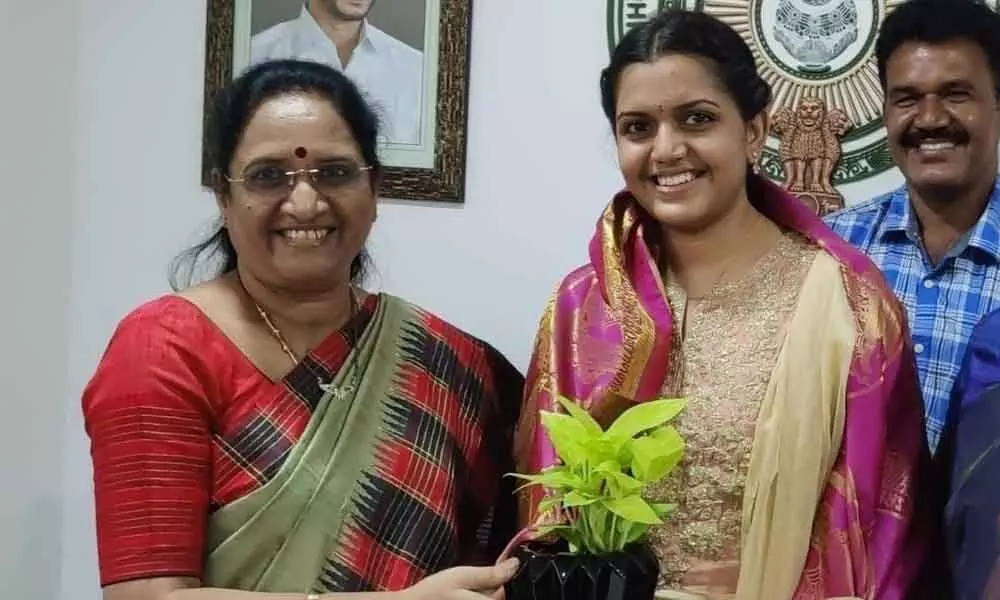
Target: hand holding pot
464	583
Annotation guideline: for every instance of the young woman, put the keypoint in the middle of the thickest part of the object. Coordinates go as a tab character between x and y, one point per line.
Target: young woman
804	423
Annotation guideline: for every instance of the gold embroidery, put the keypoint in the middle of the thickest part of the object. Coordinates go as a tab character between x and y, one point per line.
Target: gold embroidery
828	538
880	322
894	498
722	366
622	224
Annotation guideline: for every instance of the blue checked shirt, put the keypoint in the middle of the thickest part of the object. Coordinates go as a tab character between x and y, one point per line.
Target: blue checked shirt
943	302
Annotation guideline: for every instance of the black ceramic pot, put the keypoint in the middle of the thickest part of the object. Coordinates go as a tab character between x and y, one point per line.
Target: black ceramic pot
549	573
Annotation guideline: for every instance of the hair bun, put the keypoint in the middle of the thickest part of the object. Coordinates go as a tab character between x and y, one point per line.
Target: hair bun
762	93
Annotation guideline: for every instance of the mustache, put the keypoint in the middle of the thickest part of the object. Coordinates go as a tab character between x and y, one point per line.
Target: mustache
915	137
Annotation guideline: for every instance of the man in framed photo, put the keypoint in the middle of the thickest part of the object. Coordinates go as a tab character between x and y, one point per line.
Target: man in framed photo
339	33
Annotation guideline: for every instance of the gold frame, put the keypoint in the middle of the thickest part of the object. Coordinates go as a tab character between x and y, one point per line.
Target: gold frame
445	181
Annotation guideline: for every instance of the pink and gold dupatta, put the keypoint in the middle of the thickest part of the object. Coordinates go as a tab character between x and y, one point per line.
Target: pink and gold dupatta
829	509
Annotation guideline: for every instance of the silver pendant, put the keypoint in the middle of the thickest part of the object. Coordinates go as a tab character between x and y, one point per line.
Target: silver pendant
339	392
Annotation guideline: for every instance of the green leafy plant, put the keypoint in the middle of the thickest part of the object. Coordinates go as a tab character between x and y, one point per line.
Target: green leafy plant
597	486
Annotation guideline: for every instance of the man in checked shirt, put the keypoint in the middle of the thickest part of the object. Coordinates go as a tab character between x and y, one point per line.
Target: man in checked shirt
937	237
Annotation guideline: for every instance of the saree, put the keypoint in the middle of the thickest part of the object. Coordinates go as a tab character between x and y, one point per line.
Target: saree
396	476
838	456
970	451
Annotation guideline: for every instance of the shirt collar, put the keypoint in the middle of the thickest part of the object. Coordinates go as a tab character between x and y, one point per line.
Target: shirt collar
986	233
312	33
899	219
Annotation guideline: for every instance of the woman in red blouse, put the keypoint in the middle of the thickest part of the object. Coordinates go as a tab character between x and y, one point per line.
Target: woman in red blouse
278	429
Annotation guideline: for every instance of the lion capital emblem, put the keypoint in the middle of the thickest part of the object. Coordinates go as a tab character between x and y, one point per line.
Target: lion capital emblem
810	149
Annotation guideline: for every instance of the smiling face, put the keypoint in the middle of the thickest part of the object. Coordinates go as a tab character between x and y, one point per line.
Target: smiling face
683	146
941	115
295	237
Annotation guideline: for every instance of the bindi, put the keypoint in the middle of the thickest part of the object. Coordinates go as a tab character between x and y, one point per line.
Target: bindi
301	152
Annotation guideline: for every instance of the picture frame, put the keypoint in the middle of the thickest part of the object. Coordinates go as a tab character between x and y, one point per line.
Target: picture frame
433	168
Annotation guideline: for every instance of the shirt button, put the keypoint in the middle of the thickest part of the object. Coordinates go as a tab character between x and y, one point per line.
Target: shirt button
928	283
918	348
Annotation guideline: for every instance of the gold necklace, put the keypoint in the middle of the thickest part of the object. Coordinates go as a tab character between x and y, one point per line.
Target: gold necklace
276	333
338	391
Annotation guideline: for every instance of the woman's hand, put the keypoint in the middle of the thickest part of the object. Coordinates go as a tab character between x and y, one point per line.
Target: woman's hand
464	583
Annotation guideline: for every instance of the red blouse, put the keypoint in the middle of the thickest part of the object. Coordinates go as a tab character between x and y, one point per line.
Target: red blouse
181	422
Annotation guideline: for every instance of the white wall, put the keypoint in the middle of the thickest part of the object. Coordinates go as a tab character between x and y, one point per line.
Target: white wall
127	136
540	169
138	203
37	129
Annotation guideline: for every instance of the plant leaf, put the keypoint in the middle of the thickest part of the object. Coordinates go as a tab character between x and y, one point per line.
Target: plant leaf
602	449
635	532
665	433
553	478
583	417
625	451
608	466
566	435
633	508
644	416
549	503
626	483
620	484
662	510
574	499
653	458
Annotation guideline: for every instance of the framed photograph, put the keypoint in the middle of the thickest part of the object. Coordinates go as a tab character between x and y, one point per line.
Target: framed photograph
409	57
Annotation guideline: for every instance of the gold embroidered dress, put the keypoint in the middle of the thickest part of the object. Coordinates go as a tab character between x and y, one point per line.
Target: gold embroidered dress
725	346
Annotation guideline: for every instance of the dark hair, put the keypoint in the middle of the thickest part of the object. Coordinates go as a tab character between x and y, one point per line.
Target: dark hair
678	31
937	21
233	108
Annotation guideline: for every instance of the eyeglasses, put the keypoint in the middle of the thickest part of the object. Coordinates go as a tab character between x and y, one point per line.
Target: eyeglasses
270	182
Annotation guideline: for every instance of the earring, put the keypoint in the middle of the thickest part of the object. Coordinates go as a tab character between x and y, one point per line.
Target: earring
754	165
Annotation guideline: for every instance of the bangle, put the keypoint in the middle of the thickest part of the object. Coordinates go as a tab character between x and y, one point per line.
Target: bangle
312	596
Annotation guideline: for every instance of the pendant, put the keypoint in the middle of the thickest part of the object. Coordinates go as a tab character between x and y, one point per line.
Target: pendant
339	392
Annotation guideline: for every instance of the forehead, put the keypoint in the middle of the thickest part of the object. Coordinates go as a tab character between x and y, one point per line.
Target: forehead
282	124
669	81
929	64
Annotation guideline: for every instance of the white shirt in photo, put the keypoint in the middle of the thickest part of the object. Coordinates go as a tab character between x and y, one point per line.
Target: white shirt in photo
388	71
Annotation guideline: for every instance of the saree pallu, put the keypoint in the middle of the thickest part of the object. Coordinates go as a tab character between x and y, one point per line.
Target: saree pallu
829	506
397	475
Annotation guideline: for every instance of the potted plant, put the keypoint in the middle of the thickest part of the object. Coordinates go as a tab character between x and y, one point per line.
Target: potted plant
596	547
